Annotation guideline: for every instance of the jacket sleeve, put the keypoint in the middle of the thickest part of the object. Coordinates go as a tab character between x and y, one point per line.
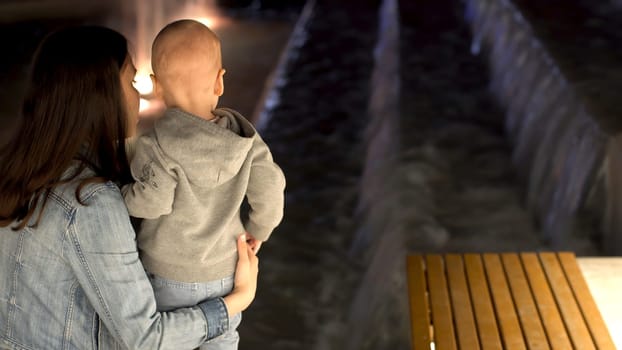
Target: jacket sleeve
104	258
152	193
265	193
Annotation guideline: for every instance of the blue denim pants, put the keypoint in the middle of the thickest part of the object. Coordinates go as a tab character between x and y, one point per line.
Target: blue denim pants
171	295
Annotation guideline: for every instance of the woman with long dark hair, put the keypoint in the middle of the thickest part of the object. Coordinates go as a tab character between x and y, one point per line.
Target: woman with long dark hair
70	276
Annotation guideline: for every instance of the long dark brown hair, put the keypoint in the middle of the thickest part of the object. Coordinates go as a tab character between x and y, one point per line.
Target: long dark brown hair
74	110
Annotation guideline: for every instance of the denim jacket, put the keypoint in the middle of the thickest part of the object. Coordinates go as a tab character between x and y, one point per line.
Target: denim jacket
75	282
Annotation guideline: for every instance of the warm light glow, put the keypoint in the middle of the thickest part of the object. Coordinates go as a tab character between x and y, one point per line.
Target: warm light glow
149	108
143	83
143	105
206	21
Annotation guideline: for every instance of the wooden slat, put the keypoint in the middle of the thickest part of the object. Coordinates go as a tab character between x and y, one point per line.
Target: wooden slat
592	316
482	303
504	306
508	302
444	335
461	303
526	308
551	319
419	310
579	334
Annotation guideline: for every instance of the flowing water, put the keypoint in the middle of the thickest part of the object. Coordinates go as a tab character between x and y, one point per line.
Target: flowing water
332	276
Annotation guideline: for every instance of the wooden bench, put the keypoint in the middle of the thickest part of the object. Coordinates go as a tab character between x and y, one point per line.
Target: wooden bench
502	301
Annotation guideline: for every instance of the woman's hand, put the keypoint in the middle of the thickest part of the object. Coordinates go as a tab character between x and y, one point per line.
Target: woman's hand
252	242
245	283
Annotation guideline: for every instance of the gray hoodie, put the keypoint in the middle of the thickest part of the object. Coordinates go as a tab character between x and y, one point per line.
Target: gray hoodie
191	178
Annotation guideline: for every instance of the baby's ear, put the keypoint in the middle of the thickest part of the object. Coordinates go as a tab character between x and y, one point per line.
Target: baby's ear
219	86
157	89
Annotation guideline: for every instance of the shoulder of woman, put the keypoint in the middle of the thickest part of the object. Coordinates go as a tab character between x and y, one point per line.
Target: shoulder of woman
89	193
93	192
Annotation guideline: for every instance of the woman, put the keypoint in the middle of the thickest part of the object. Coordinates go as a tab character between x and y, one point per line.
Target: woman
70	276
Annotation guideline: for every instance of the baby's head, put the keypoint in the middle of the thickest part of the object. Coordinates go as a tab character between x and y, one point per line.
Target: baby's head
187	67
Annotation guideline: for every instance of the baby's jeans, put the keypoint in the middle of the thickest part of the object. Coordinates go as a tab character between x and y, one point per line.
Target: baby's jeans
173	294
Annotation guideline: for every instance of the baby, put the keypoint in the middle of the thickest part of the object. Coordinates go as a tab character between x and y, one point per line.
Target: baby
193	171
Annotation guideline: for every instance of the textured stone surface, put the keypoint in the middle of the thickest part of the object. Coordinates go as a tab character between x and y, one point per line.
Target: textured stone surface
602	275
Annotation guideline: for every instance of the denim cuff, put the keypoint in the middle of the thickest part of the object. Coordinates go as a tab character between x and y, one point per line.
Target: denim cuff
216	315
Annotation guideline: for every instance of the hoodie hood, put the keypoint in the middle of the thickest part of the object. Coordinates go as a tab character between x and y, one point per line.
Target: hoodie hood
209	152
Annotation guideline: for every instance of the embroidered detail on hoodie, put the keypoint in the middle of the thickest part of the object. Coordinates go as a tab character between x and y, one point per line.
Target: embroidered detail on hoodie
148	175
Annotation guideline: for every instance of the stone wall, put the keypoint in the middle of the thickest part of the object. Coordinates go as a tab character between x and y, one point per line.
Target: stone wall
561	117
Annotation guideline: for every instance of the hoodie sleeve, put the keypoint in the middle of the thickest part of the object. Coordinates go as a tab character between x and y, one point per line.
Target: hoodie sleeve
152	193
265	193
